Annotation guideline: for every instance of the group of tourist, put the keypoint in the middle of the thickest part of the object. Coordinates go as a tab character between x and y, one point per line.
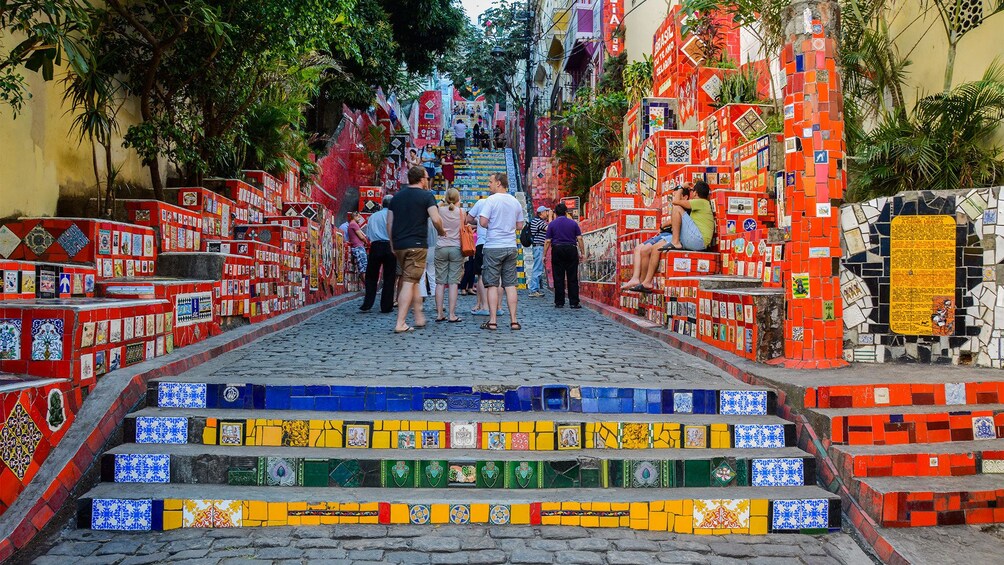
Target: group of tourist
433	162
417	241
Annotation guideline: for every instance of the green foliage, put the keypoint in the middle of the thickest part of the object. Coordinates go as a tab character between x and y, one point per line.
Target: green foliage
594	139
612	79
424	31
53	32
638	79
947	142
740	88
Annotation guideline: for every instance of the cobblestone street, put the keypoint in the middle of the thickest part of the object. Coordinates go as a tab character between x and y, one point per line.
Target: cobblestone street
566	346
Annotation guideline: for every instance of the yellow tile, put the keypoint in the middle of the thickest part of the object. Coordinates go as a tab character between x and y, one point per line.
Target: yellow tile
550	520
716	440
683	525
296	506
669	522
295	520
545	441
674	506
490	427
172	519
639	510
310	520
392	425
329	520
625	522
417	426
571	506
348	520
657	521
532	441
725	440
439	513
316	424
609	522
381	440
525	426
271	436
369	507
256	510
484	438
637	524
703	532
399	514
348	506
276	511
590	522
369	519
688	507
545	426
479	513
332	439
172	504
758	507
758	525
314	437
509	427
657	506
620	506
570	520
519	514
550	506
209	436
600	506
334	425
437	426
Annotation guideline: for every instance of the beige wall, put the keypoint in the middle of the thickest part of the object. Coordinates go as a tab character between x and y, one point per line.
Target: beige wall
920	36
640	25
40	158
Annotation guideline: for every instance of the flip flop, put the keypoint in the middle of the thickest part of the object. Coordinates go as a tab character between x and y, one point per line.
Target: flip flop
443	319
645	290
410	329
671	247
455	320
489	326
514	326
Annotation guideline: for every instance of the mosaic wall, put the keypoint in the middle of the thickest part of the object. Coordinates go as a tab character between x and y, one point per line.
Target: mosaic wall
919	278
690	516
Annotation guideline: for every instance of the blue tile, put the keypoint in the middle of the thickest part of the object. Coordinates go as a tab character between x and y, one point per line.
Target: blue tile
667	401
277	398
898	418
511	401
654	395
610	405
607	392
121	514
142	468
588	392
639	404
800	514
298	390
375	402
655	407
326	403
800	63
626	405
318	390
213	395
590	405
301	402
353	404
398	405
625	393
258	397
157	516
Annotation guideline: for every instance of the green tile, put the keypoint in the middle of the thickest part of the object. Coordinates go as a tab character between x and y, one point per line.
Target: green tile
615	470
398	474
433	474
523	475
643	474
242	477
561	474
697	473
590	478
670	474
315	472
742	472
491	474
723	472
345	473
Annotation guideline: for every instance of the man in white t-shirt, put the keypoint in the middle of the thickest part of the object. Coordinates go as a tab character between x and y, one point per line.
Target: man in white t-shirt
501	216
460	133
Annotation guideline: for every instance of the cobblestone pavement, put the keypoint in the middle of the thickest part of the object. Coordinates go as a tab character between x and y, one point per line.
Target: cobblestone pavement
567	346
371	544
562	344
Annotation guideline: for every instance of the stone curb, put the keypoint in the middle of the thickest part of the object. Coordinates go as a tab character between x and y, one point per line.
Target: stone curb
808	440
56	482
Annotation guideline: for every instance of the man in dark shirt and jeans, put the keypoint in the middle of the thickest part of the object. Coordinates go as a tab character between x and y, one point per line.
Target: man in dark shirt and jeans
564	237
408	218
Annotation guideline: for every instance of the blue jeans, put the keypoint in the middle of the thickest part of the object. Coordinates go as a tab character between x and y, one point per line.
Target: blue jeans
537	274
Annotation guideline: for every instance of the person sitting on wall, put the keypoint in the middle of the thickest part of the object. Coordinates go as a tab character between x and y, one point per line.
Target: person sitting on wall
691	228
646	256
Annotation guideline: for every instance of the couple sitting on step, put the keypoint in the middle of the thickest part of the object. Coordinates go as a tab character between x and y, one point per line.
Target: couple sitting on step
690	228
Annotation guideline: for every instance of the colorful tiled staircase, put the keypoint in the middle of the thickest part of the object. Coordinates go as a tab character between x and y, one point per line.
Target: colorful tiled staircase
248	454
918	453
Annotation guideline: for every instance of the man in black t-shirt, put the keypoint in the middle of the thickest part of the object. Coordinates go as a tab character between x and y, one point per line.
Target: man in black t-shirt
408	218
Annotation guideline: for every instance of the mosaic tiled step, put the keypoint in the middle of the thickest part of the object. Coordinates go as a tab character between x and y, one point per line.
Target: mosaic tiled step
933	501
452	468
228	427
905	394
912	424
553	398
921	460
744	510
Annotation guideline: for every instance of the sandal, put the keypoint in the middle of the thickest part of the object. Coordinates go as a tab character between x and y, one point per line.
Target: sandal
645	289
443	319
489	326
409	329
514	326
455	320
671	247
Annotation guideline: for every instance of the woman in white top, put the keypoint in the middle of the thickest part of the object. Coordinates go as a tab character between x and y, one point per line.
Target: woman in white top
449	259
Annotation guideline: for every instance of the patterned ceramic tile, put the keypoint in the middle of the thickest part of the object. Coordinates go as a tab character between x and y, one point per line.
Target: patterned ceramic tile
743	402
8	242
181	395
38	240
357	436
683	402
569	437
419	514
118	514
460	513
19	438
496	441
778	472
10	339
212	514
801	514
47	339
644	474
955	393
231	433
763	436
430	440
463	435
678	151
161	429
279	471
73	240
499	514
993	466
520	441
142	468
695	436
721	514
493	405
983	428
723	474
406	440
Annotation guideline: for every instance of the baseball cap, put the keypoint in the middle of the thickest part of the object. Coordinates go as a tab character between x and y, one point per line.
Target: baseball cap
542	209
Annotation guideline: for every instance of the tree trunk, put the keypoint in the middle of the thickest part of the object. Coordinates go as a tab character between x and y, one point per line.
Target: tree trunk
97	174
950	67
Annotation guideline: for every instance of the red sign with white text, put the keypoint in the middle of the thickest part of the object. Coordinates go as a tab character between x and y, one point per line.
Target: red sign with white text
664	51
430	118
613	17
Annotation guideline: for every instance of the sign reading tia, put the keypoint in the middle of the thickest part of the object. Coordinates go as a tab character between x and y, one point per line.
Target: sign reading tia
613	16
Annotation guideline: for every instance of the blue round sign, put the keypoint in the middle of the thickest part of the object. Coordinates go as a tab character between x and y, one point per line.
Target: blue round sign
749	224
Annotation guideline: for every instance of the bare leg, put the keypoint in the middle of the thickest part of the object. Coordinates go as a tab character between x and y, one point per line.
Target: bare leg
404	299
651	268
678	213
482	302
454	289
493	304
440	289
416	306
640	254
511	296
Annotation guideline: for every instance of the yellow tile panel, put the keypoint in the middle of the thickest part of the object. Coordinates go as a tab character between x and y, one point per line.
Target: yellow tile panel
173	504
758	507
399	514
519	514
255	510
479	513
545	441
172	519
439	513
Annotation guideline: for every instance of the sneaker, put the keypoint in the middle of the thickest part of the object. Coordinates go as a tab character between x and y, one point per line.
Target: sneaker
575	306
536	294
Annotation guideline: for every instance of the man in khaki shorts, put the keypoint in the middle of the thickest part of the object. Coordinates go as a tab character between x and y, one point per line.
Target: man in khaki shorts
407	223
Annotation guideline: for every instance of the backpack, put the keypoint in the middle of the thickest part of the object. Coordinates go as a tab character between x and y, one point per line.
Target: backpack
525	236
